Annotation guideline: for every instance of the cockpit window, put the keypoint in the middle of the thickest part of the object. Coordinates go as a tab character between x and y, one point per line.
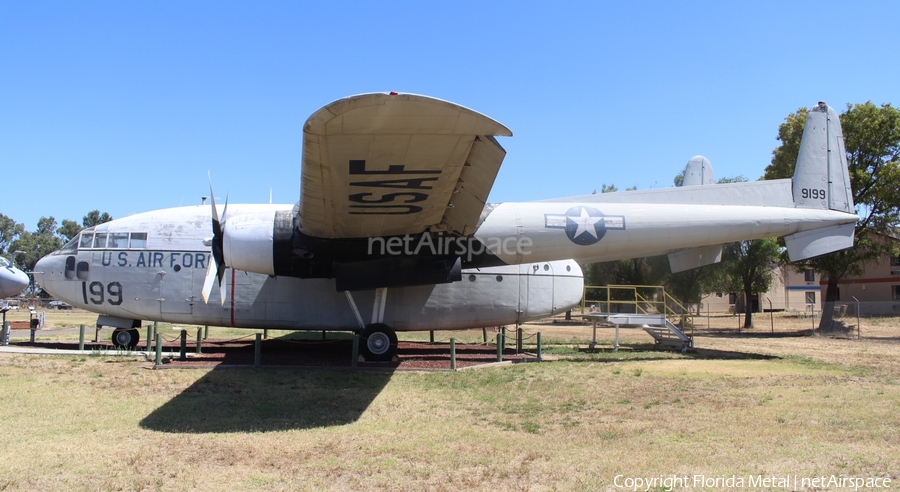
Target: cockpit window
138	240
99	240
87	239
71	245
117	240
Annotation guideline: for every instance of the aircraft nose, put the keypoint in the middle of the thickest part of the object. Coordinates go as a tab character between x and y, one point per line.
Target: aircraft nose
12	282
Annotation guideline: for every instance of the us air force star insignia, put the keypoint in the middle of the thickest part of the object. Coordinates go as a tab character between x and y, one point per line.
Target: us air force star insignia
584	225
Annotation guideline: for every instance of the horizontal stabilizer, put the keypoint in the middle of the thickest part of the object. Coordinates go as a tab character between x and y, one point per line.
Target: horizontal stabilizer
817	242
688	259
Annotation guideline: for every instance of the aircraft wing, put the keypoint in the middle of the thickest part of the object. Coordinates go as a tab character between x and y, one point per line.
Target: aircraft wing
394	164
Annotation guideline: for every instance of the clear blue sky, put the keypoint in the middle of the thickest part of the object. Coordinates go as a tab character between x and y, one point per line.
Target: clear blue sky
125	106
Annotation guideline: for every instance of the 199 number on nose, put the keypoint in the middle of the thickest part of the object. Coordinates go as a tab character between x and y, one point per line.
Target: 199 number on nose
98	293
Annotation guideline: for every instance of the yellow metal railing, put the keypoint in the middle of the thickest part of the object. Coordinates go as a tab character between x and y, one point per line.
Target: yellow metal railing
641	299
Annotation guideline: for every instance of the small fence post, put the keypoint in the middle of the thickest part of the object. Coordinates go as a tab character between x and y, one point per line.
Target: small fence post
452	354
182	354
519	335
205	332
431	336
484	332
539	348
500	343
257	350
355	359
199	340
266	333
158	346
81	337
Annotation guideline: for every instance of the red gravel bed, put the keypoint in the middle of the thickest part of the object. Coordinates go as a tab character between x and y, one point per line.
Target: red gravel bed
305	353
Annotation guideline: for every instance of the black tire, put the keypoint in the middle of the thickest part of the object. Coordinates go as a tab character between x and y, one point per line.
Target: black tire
378	343
126	339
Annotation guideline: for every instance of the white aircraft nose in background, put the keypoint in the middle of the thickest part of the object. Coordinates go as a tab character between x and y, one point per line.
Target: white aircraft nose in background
12	280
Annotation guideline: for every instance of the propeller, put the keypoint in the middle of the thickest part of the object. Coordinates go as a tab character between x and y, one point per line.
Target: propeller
216	267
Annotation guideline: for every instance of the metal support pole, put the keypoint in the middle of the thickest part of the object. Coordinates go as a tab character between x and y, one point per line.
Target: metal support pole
182	355
205	332
431	336
266	333
484	332
199	340
96	334
355	359
452	354
81	337
155	331
519	335
540	355
5	331
857	316
33	329
500	344
158	345
257	350
323	334
149	338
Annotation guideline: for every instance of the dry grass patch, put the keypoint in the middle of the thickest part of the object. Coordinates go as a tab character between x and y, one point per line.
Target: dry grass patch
743	405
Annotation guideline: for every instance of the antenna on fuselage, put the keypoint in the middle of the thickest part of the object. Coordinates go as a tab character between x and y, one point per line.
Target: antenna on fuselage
203	200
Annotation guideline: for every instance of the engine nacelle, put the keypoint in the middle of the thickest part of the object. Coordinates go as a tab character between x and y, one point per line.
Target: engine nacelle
248	242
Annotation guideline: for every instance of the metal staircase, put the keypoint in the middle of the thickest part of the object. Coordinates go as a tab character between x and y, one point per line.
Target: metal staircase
652	312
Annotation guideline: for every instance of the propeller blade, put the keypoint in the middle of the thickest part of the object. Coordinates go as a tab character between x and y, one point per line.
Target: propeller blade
222	284
216	267
208	282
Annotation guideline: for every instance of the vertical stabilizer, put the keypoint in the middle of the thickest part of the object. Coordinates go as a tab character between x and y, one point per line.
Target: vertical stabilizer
821	179
698	171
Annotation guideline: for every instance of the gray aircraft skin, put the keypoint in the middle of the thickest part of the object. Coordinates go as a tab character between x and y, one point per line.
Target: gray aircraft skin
12	280
403	232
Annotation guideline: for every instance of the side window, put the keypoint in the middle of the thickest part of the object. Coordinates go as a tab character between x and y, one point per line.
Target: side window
810	297
809	276
87	240
138	240
70	267
100	240
117	240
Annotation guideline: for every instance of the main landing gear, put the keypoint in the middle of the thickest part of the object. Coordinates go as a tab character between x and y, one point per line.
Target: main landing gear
379	341
126	338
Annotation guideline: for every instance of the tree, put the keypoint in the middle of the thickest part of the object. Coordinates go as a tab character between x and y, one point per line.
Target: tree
38	244
69	230
872	143
748	265
94	217
9	231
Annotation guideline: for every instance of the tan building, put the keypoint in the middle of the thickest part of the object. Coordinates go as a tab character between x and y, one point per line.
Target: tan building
790	291
876	291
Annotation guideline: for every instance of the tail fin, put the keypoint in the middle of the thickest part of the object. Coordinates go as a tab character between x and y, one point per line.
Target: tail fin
698	171
821	179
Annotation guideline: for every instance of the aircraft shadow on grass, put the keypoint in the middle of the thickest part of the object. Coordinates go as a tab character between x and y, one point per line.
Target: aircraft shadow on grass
229	399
